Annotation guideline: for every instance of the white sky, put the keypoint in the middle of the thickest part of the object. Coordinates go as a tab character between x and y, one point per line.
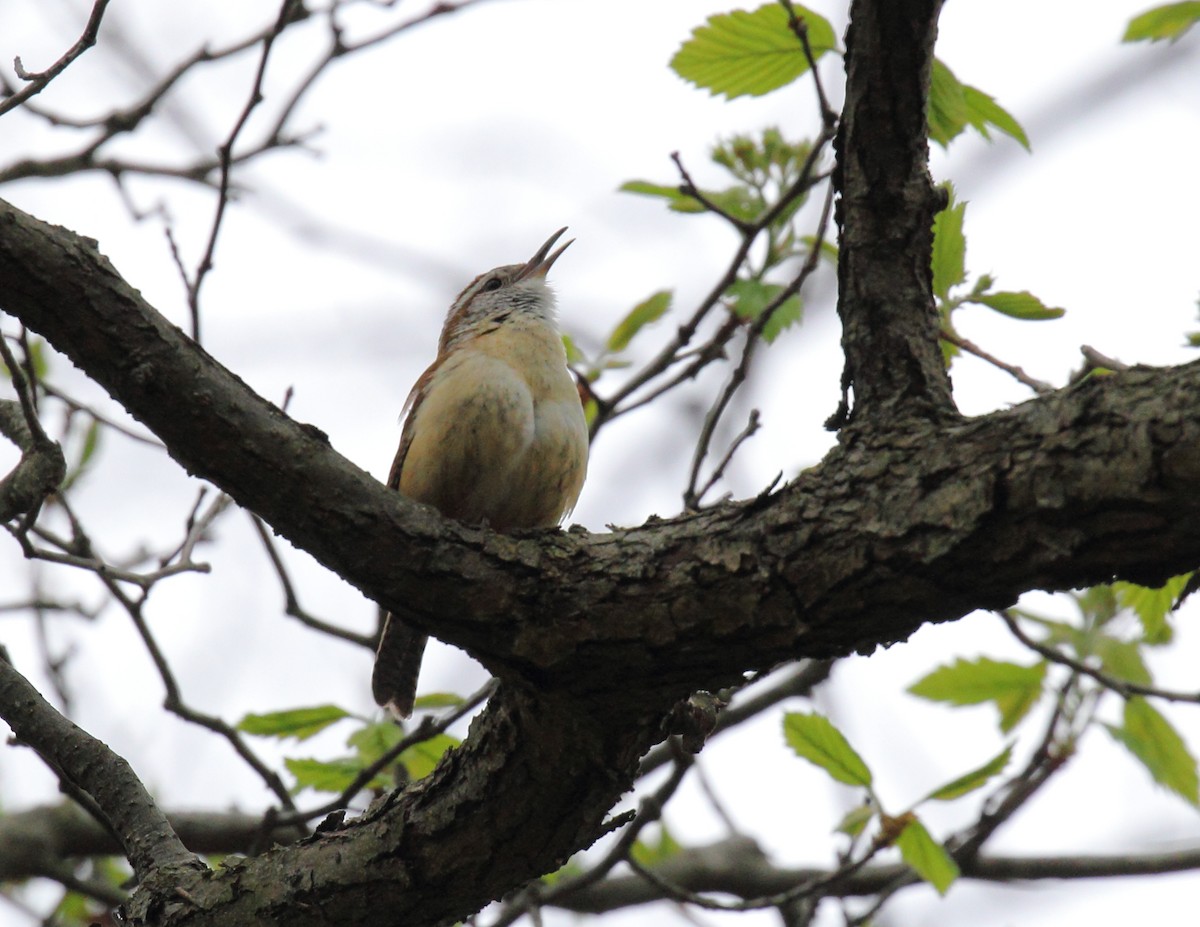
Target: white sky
462	146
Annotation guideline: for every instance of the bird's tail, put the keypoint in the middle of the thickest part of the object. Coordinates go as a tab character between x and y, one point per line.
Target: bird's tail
397	665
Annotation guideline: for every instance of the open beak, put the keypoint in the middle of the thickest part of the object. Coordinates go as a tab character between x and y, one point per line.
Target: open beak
539	265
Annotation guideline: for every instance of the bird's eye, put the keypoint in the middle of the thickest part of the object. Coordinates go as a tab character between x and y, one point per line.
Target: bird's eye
494	283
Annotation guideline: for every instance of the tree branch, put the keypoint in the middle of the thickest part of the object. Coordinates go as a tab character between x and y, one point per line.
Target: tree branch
738	867
885	210
886	534
149	843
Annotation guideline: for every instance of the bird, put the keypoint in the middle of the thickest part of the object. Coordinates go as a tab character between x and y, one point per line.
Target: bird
494	431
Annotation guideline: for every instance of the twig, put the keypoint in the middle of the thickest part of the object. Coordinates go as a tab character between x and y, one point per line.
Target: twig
690	189
649	810
1122	687
1038	386
799	681
292	605
691	496
427	729
799	28
287	10
38	80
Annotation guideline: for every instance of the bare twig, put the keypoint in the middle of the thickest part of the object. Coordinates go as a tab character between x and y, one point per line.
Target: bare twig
692	496
1038	386
292	605
287	11
38	81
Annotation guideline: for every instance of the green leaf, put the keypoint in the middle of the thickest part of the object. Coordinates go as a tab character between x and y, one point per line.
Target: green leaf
420	759
740	53
1152	605
969	782
648	310
949	247
751	298
954	105
323	775
947	105
434	700
1162	22
1023	305
371	741
829	251
856	819
676	198
815	739
982	111
1122	659
1153	740
1012	687
300	723
927	857
651	853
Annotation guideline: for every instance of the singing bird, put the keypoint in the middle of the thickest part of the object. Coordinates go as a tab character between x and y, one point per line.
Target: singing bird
494	434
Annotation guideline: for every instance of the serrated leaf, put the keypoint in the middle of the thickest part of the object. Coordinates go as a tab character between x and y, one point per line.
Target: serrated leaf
648	310
740	53
814	738
927	857
323	775
1152	605
1012	687
300	723
982	111
650	853
420	759
1153	740
969	782
1162	22
949	247
855	820
676	198
1023	305
954	105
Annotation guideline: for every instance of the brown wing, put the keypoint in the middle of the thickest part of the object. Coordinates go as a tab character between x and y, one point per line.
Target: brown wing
398	659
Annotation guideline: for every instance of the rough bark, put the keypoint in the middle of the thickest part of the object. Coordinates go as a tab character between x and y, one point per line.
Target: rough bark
917	516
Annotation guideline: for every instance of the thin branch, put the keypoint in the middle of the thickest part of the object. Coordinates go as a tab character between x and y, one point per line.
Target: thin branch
1038	386
427	729
38	81
146	835
1122	687
292	605
691	496
287	11
649	810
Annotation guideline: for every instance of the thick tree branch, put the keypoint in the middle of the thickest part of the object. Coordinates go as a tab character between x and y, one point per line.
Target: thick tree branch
149	843
38	841
887	533
885	209
921	516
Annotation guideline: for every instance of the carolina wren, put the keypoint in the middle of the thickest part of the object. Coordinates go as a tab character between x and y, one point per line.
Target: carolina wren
495	431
